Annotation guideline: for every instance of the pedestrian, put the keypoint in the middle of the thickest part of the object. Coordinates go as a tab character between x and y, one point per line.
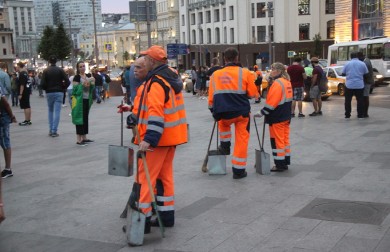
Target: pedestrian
202	78
297	77
5	80
14	90
159	109
54	81
214	67
369	83
315	93
98	85
24	81
354	71
194	79
134	81
106	82
83	86
40	90
70	87
6	117
230	90
126	75
258	81
277	112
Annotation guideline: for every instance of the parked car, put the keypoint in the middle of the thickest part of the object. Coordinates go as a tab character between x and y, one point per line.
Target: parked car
336	82
187	81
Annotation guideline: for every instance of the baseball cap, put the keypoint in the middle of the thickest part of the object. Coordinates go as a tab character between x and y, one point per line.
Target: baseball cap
156	52
314	59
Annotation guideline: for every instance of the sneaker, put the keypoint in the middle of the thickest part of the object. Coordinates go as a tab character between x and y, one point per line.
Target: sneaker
88	141
6	173
25	123
313	114
63	105
81	144
319	112
240	176
301	115
55	134
292	115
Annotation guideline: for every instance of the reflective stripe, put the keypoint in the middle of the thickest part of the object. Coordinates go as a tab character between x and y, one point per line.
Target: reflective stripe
174	110
279	157
144	205
144	108
287	147
265	112
225	133
156	119
165	199
155	128
288	154
227	91
240	80
143	121
277	150
175	123
165	208
269	107
284	99
239	159
225	139
237	166
148	214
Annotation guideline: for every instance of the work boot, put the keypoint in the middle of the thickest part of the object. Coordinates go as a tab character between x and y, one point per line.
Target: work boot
240	175
224	148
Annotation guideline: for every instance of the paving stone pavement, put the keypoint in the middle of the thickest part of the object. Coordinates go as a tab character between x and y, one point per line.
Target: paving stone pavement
62	199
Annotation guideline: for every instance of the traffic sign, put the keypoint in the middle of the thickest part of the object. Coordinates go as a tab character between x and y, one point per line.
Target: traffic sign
290	54
176	49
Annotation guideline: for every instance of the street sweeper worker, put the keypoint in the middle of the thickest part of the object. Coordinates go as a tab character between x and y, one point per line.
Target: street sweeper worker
162	125
277	112
229	92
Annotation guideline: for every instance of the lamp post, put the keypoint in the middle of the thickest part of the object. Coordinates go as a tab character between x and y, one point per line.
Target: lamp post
269	9
94	29
71	39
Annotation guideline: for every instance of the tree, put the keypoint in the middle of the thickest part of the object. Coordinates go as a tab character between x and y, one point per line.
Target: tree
62	45
46	46
317	45
126	56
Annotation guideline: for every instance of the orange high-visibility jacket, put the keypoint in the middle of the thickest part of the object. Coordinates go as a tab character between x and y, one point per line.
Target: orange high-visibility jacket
160	123
229	91
278	103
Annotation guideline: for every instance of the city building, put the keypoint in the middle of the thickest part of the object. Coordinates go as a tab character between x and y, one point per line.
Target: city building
117	44
80	14
358	19
6	54
263	31
164	25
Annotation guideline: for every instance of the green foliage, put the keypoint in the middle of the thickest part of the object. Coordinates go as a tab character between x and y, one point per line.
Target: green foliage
126	55
317	45
55	42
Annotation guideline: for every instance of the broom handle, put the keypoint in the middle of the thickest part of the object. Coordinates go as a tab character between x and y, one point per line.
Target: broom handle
262	143
257	133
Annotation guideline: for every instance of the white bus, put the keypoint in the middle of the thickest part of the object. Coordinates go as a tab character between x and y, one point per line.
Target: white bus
376	49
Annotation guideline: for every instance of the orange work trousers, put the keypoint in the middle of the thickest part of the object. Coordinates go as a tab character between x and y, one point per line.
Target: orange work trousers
241	125
280	143
160	165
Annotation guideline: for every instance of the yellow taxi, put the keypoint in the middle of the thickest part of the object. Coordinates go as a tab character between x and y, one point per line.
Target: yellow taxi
336	82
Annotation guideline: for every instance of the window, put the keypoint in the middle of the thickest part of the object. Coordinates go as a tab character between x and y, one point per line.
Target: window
193	37
303	7
329	7
343	53
224	14
253	10
231	12
193	18
208	36
375	51
216	15
330	28
261	33
217	36
3	39
200	18
208	16
304	31
182	2
183	37
232	35
225	35
270	6
4	51
260	10
200	36
253	34
183	20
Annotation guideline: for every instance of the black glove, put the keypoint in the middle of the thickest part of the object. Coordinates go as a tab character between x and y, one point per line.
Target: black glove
131	121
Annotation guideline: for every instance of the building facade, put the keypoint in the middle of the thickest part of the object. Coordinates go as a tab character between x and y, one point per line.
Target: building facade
79	12
6	49
263	31
358	19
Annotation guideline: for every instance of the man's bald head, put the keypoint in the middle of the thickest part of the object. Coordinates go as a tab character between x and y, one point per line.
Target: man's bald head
140	70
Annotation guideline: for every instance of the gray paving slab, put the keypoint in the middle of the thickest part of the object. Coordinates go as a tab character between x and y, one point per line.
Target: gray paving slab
61	193
355	244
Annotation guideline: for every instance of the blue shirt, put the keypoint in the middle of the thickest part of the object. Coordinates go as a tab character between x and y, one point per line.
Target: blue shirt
5	82
354	71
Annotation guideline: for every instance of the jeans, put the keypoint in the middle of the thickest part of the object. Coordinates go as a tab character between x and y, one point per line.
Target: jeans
54	103
358	93
14	97
70	91
98	93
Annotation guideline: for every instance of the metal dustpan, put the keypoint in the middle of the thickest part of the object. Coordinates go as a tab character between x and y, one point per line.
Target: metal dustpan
121	158
216	161
263	159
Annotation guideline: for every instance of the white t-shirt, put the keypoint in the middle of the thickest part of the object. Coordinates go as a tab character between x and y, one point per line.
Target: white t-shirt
71	82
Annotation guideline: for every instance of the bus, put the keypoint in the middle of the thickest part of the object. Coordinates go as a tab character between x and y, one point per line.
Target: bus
376	49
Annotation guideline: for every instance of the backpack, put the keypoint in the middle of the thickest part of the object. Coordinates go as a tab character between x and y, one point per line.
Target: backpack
323	82
258	80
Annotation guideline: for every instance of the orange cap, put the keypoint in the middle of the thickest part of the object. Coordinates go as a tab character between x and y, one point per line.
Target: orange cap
156	52
255	67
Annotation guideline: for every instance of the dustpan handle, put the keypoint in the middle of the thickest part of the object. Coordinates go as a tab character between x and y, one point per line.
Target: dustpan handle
217	135
262	142
122	125
257	133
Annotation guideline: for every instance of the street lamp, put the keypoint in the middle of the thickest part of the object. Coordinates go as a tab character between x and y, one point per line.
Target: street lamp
269	8
94	29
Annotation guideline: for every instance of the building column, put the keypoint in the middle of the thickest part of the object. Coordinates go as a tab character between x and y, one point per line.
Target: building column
386	18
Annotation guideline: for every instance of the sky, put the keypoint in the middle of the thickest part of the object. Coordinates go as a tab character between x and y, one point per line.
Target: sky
115	6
